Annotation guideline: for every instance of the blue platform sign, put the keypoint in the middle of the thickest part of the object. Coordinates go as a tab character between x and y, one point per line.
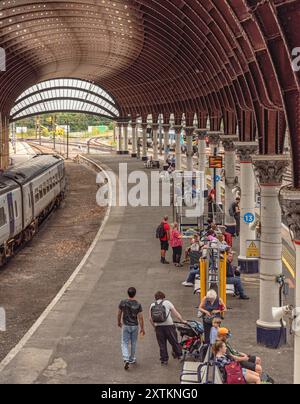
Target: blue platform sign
218	178
249	218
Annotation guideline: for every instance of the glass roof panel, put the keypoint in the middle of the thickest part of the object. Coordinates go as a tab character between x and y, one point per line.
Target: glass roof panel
71	83
62	105
44	94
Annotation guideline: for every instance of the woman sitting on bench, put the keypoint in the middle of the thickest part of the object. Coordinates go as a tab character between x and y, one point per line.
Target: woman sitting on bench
223	360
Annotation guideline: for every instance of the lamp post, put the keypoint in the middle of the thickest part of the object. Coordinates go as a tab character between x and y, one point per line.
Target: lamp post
67	124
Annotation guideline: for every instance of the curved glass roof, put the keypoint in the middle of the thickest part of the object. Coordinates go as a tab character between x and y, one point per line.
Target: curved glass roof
65	95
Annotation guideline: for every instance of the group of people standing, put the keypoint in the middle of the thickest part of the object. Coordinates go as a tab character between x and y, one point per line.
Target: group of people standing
216	236
170	237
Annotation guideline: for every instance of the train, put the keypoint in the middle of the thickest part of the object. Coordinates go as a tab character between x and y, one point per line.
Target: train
28	193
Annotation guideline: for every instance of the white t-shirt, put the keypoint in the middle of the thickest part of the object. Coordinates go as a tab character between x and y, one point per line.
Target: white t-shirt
169	306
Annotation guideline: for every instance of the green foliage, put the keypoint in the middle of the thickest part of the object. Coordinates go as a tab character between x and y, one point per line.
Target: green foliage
77	122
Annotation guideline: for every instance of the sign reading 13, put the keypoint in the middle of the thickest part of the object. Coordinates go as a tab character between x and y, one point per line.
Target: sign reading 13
249	218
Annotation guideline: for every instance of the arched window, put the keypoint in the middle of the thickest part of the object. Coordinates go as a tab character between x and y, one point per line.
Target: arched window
65	95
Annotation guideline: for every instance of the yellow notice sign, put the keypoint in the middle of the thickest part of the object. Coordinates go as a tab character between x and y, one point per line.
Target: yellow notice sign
253	250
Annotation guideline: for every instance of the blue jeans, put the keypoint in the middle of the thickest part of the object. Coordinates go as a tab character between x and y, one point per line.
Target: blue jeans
238	286
129	337
192	275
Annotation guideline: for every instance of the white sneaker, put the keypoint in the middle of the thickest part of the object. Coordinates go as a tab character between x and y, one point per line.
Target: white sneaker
187	284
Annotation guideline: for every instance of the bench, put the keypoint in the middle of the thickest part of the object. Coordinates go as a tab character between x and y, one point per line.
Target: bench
190	374
209	373
197	288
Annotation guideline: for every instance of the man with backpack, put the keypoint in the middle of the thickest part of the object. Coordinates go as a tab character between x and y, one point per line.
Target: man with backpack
163	234
161	319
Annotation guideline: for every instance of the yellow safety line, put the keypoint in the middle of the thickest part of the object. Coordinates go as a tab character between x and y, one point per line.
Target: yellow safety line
288	266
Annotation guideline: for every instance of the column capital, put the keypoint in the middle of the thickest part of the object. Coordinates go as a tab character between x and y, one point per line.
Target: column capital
214	137
144	125
229	143
133	125
190	130
290	204
122	123
201	133
270	169
155	126
246	150
177	128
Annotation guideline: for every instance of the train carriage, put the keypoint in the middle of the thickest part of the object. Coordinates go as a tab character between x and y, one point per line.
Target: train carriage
28	193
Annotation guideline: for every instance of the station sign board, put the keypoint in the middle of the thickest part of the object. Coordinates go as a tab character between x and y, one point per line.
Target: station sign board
216	162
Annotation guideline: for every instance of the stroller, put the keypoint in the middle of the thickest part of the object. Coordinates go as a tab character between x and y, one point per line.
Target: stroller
192	339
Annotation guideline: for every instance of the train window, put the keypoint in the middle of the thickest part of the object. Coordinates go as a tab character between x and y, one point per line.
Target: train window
29	200
44	188
2	217
16	209
48	185
41	191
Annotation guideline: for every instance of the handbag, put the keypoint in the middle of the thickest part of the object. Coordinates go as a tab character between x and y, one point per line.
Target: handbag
234	374
208	320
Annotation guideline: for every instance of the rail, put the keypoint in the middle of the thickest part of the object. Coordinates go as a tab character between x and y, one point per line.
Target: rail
80	159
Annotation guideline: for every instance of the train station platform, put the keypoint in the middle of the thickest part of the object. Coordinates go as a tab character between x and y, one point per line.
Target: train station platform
77	340
20	153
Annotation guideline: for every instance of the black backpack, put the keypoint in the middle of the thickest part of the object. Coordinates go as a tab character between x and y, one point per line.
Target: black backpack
160	231
159	313
232	209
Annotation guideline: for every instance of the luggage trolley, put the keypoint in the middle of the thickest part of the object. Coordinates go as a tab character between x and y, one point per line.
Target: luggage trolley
188	200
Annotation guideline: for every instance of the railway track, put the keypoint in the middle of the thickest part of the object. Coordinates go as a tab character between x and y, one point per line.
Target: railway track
93	144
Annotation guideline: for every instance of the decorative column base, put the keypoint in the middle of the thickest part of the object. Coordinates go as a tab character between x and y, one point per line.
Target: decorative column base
249	265
145	158
273	338
126	153
134	155
119	152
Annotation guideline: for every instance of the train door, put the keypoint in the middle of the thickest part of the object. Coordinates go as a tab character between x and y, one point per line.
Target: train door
11	214
31	200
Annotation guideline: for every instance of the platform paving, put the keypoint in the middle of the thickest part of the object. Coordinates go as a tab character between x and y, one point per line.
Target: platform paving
79	341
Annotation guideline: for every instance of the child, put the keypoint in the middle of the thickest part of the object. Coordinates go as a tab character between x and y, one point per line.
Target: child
216	324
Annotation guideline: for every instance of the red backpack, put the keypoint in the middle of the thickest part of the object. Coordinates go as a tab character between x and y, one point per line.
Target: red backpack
234	373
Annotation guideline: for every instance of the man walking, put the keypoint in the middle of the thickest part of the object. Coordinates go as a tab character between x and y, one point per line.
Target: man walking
163	233
160	316
130	317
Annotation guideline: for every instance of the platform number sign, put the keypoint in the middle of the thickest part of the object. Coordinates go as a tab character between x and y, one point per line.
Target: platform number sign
249	218
216	162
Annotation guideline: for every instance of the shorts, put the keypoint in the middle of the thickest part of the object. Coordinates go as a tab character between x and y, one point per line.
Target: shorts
164	245
249	365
